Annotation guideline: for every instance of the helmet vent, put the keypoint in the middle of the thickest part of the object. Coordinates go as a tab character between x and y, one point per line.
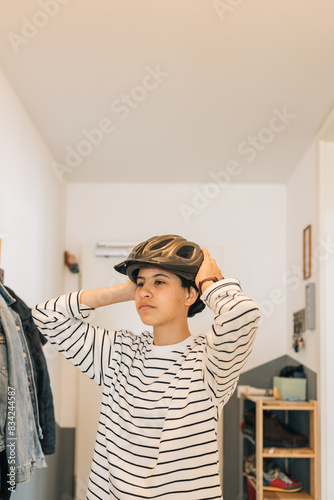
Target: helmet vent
161	244
140	247
185	252
169	251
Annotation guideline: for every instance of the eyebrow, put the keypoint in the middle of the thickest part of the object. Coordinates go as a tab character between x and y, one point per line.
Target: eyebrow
154	276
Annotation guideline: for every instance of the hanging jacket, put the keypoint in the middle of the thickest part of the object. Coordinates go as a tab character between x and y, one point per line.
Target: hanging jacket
21	433
40	372
3	388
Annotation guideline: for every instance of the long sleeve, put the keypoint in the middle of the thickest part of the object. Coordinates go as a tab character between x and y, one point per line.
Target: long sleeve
62	321
231	338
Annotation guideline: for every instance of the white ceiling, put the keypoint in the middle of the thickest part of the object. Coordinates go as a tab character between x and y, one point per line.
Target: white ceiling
227	68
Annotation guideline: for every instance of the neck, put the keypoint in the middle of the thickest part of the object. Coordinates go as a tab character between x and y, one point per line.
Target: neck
170	334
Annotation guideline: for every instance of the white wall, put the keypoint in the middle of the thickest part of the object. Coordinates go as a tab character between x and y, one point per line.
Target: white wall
249	221
32	215
326	195
310	195
302	210
32	205
32	209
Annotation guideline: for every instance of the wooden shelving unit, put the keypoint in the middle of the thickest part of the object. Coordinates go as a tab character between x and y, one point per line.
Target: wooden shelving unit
310	453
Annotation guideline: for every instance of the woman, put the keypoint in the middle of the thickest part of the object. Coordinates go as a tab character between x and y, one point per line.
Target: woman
163	390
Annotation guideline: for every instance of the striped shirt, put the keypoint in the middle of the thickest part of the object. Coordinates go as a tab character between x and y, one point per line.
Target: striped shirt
157	432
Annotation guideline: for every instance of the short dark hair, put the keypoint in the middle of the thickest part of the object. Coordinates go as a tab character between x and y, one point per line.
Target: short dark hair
198	305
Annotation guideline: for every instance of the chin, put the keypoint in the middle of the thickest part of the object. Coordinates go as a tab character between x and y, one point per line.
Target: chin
145	321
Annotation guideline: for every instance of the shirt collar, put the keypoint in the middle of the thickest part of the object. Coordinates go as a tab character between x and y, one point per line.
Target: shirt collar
8	298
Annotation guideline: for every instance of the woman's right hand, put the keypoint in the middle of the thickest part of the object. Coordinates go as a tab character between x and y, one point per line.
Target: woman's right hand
109	295
129	290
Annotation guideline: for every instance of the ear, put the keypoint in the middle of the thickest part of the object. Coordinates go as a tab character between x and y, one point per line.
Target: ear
191	296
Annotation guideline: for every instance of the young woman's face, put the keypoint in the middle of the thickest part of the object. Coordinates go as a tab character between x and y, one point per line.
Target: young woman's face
160	297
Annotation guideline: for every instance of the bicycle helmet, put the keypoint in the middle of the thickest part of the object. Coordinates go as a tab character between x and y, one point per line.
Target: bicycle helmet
169	252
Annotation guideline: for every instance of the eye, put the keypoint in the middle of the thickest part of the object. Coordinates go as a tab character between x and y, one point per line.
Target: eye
159	282
140	284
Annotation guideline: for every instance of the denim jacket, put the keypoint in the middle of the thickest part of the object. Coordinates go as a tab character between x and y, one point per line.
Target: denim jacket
21	433
45	416
3	388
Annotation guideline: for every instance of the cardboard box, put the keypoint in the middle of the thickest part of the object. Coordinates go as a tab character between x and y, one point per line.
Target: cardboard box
291	387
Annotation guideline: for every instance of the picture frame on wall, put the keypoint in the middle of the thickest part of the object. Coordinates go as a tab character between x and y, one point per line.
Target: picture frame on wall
307	249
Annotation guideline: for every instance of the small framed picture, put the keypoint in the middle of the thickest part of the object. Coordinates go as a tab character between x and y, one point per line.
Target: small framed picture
307	245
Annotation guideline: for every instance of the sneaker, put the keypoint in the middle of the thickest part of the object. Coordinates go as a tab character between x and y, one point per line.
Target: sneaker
278	481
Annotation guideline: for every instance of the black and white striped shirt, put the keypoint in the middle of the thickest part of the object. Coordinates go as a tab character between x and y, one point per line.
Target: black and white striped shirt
157	434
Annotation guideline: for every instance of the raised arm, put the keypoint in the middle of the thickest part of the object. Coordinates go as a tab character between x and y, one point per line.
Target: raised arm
231	337
63	321
100	297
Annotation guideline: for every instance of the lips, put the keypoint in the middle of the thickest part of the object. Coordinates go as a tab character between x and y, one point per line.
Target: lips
145	307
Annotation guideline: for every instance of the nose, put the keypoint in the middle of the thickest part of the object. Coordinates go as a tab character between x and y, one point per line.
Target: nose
145	290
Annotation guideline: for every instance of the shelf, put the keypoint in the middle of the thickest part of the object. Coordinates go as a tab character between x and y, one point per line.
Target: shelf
276	452
281	495
267	399
289	405
269	403
283	452
275	495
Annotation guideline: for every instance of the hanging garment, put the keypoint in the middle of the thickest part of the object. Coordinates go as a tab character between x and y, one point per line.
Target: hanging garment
3	388
22	439
4	492
34	338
